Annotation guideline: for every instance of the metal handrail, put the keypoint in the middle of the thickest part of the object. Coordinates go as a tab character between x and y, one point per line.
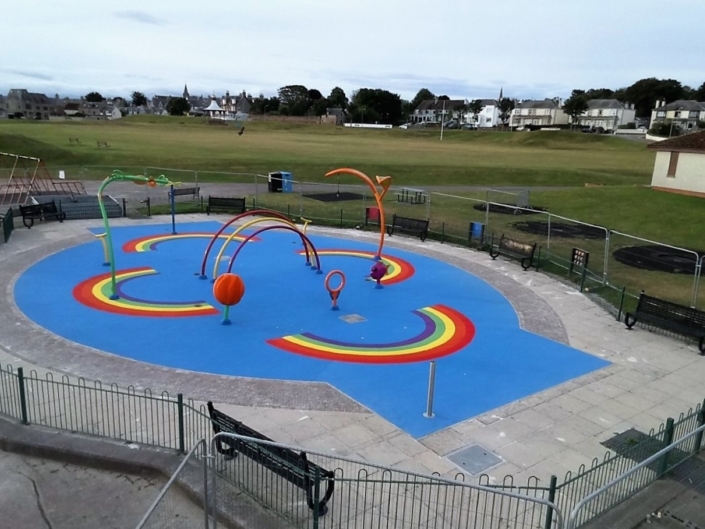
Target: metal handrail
571	522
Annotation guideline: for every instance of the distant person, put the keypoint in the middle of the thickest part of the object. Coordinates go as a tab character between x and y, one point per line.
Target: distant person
242	130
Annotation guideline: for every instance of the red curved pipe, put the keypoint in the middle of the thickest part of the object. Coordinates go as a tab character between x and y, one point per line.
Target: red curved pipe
303	238
235	219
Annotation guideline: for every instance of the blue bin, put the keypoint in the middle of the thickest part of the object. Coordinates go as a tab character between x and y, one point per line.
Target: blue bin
287	182
477	231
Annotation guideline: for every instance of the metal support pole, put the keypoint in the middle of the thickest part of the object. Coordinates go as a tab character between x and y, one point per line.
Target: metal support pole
582	278
23	396
552	498
173	210
124	207
667	441
180	410
607	258
548	234
621	303
431	386
696	281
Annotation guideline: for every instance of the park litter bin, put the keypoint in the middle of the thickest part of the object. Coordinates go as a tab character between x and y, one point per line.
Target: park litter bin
280	182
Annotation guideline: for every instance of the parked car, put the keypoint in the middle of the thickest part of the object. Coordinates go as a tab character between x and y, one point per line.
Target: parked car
405	126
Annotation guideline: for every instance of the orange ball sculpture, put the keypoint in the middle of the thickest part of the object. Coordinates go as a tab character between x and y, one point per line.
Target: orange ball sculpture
228	289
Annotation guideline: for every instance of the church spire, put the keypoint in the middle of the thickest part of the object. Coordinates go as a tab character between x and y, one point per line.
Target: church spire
186	92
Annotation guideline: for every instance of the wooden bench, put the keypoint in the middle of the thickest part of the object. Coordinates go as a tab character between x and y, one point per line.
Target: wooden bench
102	144
41	212
226	205
670	316
407	225
515	249
74	140
292	466
193	192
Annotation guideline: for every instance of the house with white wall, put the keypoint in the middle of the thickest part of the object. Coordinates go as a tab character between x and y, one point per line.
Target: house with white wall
432	111
538	113
680	165
609	114
684	113
488	116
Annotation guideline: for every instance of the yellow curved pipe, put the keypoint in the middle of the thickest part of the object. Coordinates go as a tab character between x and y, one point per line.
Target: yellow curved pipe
384	182
243	227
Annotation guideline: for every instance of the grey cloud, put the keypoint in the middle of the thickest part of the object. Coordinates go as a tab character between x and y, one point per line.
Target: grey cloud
33	75
139	16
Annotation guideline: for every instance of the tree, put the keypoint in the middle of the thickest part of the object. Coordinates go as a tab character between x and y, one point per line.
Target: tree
506	105
320	106
295	99
94	97
376	105
177	106
139	99
314	95
665	129
475	107
699	94
599	93
337	98
575	105
423	95
645	92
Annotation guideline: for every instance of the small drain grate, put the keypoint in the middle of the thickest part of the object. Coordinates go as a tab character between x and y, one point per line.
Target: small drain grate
353	318
475	459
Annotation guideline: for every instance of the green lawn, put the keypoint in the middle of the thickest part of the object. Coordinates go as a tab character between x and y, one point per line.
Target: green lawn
411	157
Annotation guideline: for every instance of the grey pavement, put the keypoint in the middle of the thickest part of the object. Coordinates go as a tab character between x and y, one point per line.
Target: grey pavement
35	493
651	376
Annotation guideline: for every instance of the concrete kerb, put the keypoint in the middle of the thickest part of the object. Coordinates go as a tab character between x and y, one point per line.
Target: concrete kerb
130	458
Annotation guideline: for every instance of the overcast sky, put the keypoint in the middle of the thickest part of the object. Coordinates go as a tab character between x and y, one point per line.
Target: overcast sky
461	48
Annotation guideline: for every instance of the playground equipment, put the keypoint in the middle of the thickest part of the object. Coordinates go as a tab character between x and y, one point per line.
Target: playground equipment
335	292
228	290
305	238
106	253
252	222
119	176
384	182
377	272
231	221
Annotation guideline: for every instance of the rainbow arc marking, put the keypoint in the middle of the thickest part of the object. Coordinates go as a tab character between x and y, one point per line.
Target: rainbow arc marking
445	332
95	293
150	242
398	269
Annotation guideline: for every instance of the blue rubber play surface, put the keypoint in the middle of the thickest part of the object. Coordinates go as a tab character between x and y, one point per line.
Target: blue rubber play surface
376	348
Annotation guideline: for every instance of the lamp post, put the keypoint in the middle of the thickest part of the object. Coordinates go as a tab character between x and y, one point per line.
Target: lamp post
443	112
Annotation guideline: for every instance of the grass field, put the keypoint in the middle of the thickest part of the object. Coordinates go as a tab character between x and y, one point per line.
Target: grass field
410	156
563	160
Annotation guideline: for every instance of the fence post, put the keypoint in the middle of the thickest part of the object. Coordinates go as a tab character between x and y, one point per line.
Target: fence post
607	257
582	279
316	497
538	260
621	304
667	440
180	408
548	233
431	387
23	396
124	207
341	218
699	436
443	233
551	498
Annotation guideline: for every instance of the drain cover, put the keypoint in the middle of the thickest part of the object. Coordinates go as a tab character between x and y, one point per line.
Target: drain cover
353	318
475	459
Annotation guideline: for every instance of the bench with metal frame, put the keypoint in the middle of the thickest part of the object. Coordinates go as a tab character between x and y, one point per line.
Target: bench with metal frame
290	465
41	212
522	251
408	225
670	316
226	205
193	192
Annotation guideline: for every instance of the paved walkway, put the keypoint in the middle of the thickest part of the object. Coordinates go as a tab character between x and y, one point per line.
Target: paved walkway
651	377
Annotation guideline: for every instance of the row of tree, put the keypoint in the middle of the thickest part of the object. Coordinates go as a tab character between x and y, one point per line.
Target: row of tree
368	105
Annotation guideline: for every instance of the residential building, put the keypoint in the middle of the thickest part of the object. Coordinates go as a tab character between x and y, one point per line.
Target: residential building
157	105
3	107
338	114
680	165
684	114
543	113
609	114
21	104
488	117
432	111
